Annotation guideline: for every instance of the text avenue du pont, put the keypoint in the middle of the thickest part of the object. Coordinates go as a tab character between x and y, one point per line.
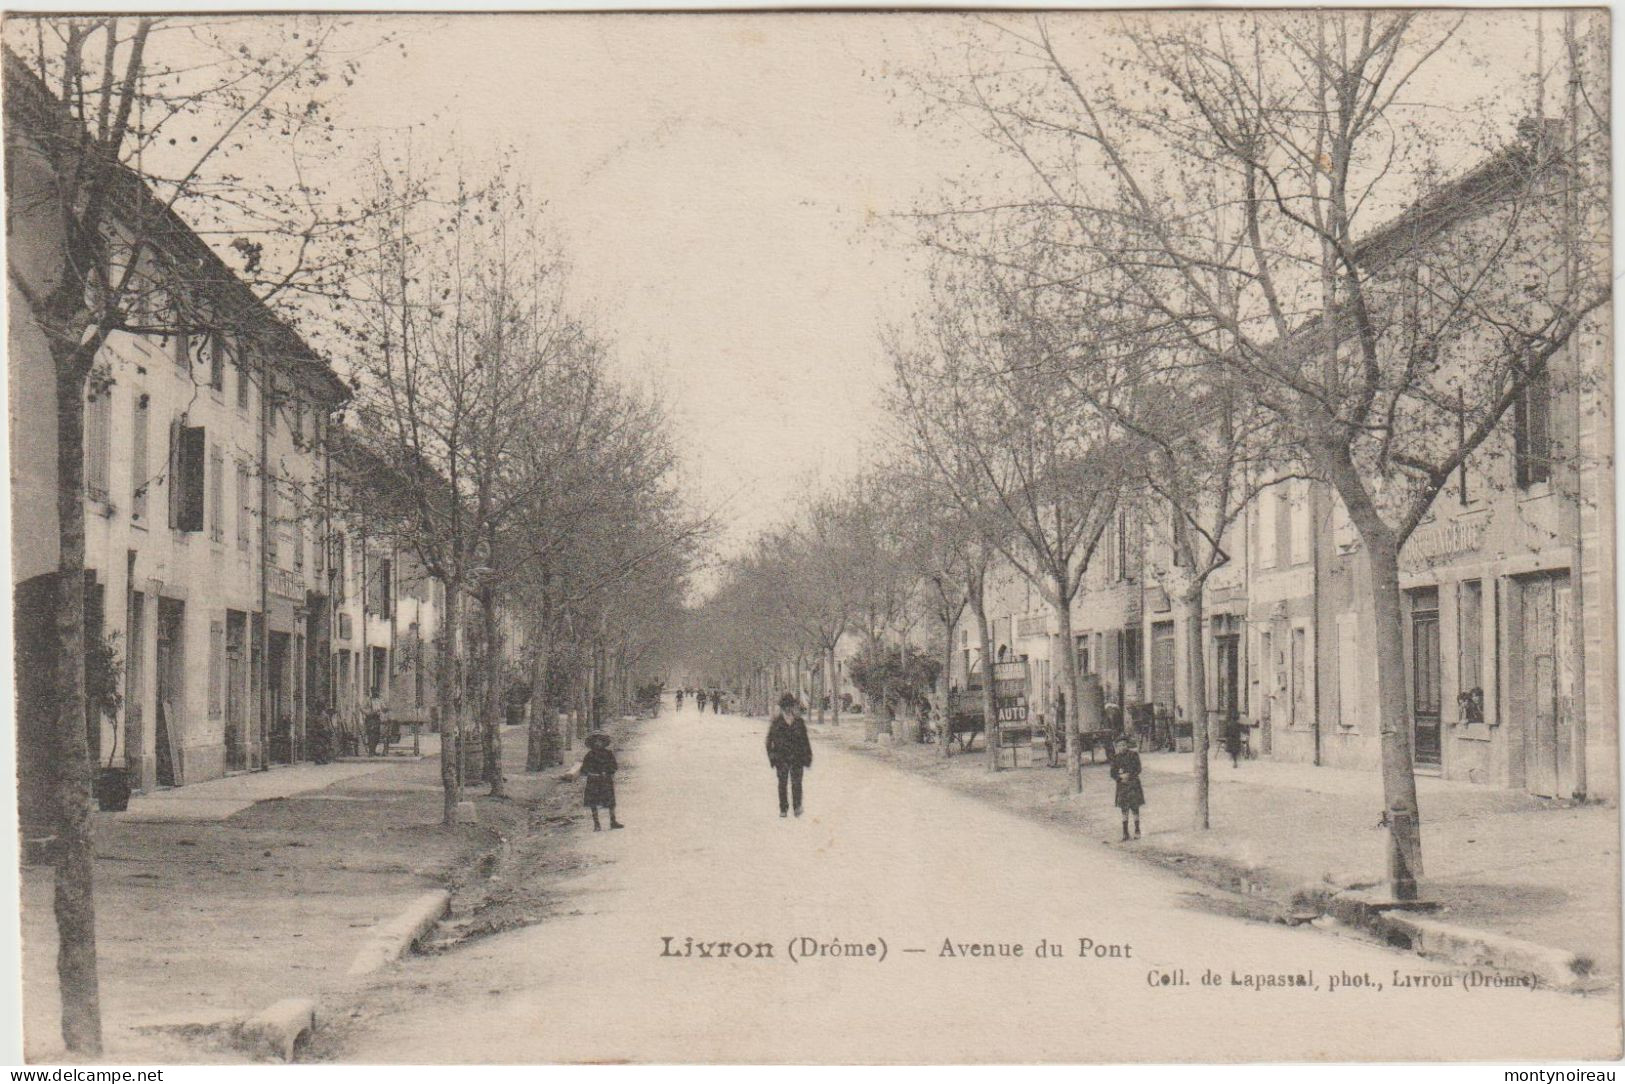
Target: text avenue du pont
808	948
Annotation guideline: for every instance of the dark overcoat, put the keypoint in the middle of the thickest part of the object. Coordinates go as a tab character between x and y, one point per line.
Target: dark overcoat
1126	770
599	766
788	744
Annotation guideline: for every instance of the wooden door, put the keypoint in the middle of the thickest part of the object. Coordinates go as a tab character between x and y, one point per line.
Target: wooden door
1425	697
1544	673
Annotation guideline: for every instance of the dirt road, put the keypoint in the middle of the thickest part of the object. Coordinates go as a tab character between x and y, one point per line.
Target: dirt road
912	885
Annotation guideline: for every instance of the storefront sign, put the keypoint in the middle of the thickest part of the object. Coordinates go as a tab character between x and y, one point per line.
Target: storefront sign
1446	539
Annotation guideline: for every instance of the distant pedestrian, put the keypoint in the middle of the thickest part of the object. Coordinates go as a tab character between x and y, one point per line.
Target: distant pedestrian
699	698
716	701
679	699
599	768
789	750
1130	794
1232	740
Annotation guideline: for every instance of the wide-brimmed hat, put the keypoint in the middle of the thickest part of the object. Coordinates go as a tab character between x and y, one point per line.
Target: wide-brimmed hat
598	741
1129	740
788	700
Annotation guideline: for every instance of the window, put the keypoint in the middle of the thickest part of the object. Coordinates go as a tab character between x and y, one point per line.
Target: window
98	438
1122	546
296	416
340	568
186	477
243	379
218	351
1302	695
1531	432
1349	676
217	495
1176	535
1298	516
1267	529
385	582
1470	652
180	342
1344	535
273	518
245	506
138	458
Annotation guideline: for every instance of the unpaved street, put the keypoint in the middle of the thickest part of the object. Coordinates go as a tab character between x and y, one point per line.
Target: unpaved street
882	855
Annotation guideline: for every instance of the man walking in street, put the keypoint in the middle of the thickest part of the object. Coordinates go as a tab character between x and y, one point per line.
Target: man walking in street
789	750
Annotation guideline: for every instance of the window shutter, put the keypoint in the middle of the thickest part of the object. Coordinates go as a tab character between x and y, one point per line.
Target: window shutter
190	478
173	474
217	654
138	459
217	495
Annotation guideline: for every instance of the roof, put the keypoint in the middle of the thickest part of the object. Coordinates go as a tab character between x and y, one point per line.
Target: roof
1479	191
31	105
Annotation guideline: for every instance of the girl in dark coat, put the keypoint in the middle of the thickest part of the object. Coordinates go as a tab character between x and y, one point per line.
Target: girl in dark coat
1130	794
599	767
1232	741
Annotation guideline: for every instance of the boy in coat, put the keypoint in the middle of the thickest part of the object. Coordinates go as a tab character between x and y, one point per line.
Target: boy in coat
1130	794
789	750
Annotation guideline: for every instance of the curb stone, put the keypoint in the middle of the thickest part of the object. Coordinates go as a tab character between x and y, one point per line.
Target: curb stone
391	940
1553	967
277	1030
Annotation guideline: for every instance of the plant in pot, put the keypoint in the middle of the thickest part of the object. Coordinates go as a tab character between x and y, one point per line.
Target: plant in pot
891	678
104	677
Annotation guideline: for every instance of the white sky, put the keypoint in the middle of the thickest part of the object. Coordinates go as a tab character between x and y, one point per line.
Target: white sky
716	182
721	184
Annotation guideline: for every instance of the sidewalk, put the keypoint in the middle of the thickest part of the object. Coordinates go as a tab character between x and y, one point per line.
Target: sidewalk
1495	860
222	897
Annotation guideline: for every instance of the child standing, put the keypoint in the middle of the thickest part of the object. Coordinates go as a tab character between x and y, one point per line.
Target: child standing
599	767
1130	794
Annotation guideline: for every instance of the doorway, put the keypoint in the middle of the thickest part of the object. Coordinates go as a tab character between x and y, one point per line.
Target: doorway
1227	649
1425	696
1162	665
237	738
281	700
1543	681
171	687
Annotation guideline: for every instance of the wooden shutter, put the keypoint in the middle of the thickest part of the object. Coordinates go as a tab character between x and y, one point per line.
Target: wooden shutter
217	653
189	480
138	459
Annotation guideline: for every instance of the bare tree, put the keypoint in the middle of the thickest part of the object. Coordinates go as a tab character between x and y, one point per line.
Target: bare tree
1249	157
1027	461
119	154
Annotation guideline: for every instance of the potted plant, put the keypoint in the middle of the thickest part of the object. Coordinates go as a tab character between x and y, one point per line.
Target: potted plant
104	676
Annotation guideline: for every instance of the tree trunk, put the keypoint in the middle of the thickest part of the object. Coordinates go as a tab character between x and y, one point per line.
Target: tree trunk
542	744
451	723
1069	672
948	673
1190	605
990	724
834	686
492	706
1398	776
74	892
